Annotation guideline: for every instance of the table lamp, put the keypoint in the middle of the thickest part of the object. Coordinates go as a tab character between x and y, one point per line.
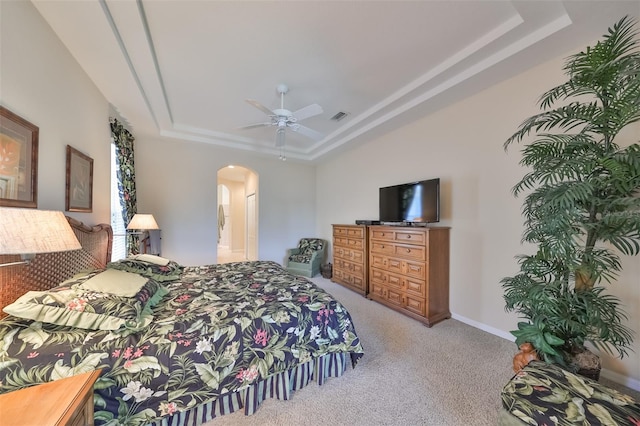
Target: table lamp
27	232
142	223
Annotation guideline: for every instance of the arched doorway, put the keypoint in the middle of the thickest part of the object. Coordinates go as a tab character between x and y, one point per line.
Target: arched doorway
237	193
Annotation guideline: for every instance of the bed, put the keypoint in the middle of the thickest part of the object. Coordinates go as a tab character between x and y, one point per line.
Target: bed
176	345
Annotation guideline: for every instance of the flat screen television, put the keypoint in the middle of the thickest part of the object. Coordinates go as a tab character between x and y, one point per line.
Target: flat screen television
411	203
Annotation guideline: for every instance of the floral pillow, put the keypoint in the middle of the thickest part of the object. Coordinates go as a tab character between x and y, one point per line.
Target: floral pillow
155	267
306	248
75	305
308	245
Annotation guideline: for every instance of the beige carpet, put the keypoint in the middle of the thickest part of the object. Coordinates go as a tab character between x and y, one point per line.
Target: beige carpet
449	374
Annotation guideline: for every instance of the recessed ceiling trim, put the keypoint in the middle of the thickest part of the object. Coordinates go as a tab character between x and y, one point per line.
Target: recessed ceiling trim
480	46
453	60
125	54
271	151
513	48
458	57
154	56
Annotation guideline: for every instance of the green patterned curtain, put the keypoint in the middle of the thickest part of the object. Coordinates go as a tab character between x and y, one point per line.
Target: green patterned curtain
123	140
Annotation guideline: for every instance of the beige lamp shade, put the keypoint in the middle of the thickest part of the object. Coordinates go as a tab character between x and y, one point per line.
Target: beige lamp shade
29	231
143	221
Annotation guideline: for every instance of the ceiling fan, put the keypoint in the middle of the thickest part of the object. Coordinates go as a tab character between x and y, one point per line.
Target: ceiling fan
284	119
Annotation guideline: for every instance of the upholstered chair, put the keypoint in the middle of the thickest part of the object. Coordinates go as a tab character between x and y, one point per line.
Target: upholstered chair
306	259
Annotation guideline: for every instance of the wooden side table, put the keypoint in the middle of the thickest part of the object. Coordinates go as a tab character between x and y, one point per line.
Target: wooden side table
67	401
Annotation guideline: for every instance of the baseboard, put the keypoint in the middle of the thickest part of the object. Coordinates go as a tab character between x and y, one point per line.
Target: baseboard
608	374
484	327
619	378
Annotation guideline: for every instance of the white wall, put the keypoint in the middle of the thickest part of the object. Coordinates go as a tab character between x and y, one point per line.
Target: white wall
41	82
177	181
463	145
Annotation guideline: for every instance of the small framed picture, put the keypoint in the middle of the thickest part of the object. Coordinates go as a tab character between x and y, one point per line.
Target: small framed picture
79	187
18	161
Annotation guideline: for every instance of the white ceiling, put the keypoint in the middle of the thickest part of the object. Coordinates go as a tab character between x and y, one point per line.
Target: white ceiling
183	69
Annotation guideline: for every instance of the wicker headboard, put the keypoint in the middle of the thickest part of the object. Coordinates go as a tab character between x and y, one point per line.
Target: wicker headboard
48	270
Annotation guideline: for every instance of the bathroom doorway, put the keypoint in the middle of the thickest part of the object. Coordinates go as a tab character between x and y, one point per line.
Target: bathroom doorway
237	193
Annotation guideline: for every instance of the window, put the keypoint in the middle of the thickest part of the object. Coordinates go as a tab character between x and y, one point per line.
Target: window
119	250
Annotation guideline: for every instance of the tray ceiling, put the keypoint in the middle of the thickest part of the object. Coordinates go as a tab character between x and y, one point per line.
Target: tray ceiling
183	69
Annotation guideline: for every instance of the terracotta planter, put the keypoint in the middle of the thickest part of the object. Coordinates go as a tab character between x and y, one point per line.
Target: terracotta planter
582	361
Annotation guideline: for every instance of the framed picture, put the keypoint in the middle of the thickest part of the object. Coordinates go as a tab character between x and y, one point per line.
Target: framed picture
18	161
79	188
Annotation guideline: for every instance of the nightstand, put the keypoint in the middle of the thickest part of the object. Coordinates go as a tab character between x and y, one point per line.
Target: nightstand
67	401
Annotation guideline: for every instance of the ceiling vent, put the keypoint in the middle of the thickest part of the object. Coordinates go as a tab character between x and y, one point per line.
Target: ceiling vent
339	116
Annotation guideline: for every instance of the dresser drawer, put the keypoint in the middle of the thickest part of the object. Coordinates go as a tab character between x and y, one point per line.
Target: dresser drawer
417	305
384	234
415	237
352	280
385	278
382	248
348	254
404	251
409	252
388	263
415	269
401	235
376	289
349	242
353	232
417	287
353	243
351	267
341	241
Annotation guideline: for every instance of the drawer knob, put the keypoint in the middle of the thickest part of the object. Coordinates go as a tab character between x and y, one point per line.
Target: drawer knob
408	250
408	237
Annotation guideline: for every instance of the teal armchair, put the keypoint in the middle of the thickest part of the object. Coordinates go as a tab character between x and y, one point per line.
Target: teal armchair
306	259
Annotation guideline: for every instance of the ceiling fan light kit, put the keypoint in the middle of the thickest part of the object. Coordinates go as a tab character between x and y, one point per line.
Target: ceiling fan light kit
284	119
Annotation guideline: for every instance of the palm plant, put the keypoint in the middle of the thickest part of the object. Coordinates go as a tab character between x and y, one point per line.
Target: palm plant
582	206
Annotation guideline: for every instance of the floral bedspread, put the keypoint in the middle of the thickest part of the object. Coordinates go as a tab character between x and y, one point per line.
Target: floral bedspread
219	329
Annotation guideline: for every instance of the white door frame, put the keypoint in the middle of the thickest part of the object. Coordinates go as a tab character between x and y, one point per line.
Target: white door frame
251	232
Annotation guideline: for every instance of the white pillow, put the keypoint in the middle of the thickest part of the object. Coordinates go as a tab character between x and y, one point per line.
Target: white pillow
150	258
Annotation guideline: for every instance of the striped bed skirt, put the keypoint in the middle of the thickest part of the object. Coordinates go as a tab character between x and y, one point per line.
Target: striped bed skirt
279	385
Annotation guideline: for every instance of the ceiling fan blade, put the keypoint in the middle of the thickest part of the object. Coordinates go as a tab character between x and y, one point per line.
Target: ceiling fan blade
308	111
261	107
305	131
253	126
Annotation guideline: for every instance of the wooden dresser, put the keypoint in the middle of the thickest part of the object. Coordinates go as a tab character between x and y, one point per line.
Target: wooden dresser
67	401
409	270
350	257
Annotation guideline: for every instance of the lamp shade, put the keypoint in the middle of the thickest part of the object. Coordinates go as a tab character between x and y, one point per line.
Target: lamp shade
143	221
29	231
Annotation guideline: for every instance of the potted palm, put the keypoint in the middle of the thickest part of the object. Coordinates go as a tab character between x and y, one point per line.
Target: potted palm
582	204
